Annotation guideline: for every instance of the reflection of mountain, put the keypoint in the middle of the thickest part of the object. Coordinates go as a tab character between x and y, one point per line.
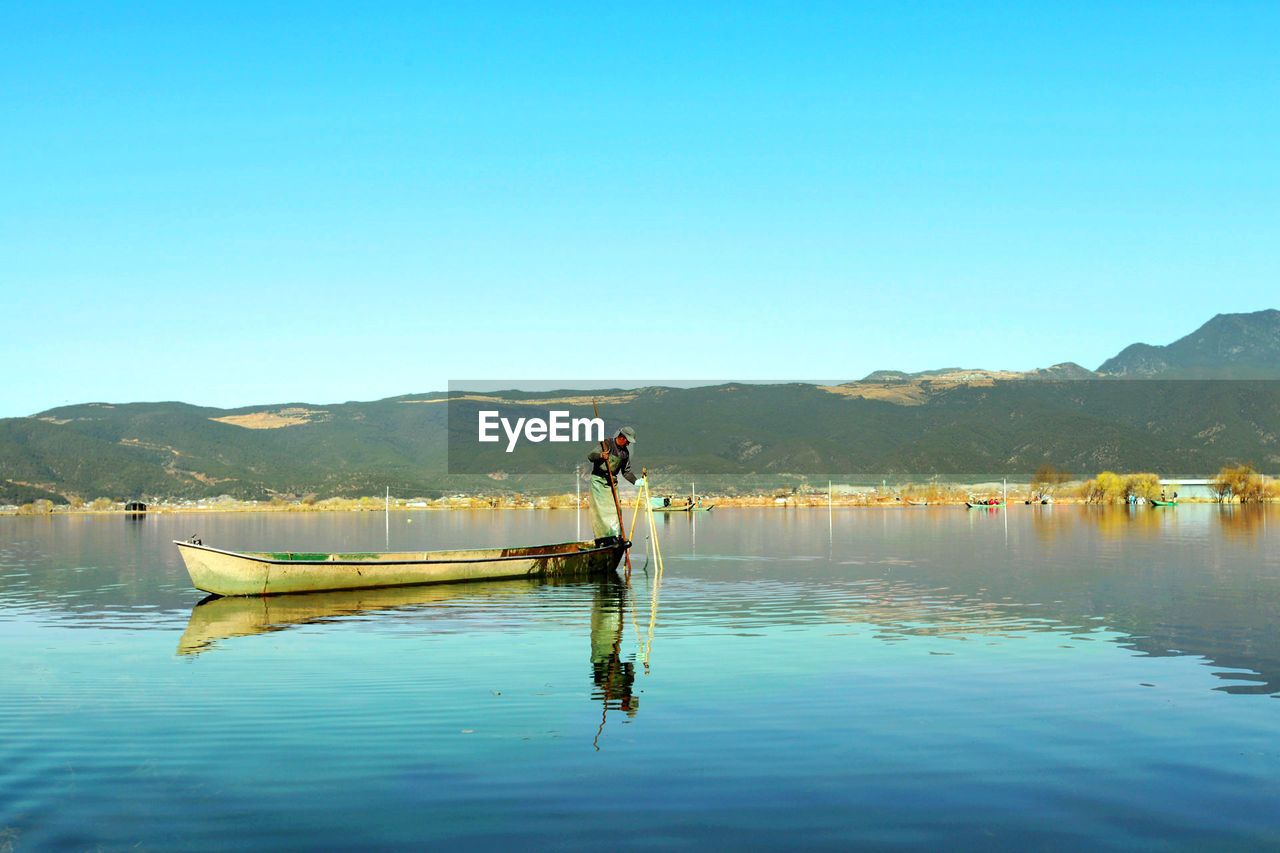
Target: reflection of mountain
1121	569
1224	611
1240	642
902	609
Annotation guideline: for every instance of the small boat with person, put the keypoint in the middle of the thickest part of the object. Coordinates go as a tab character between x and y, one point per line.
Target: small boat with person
691	503
665	504
272	572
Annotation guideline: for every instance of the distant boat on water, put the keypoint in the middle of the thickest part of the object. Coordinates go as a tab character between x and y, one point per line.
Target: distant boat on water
665	505
690	504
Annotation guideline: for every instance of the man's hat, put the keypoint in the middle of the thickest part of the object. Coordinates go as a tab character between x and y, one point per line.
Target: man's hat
629	434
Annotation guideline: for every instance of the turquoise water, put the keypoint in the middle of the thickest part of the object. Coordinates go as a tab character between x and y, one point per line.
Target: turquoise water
1037	678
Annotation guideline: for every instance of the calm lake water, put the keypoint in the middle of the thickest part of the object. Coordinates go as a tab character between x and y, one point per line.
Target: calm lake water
1043	678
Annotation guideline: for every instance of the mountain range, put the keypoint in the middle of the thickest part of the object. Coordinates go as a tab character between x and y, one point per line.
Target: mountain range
1206	400
1230	346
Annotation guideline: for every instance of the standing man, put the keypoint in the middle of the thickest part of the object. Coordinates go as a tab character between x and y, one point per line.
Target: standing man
613	457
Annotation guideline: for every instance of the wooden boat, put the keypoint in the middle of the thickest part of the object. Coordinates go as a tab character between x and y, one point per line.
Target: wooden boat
270	573
673	508
972	505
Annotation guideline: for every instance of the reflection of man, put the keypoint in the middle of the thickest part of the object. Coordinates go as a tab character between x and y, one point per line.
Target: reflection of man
614	678
615	457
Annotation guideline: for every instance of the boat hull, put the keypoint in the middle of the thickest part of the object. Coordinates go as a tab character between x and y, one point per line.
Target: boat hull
233	573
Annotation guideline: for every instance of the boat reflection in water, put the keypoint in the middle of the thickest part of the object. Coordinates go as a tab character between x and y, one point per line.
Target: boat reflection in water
218	618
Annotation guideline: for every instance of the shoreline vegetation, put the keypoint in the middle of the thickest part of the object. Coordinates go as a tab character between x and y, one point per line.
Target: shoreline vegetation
1232	484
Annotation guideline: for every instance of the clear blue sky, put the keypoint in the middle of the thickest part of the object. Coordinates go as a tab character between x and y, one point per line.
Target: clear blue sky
316	202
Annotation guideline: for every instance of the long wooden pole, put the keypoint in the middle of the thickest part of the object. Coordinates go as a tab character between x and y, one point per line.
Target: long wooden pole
613	487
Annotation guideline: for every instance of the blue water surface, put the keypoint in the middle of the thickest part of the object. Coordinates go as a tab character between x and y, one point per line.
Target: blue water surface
917	678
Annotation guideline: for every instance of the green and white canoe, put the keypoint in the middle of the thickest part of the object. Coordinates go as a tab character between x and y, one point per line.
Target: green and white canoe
270	573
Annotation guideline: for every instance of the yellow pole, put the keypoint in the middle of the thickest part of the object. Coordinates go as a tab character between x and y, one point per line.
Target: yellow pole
639	497
653	530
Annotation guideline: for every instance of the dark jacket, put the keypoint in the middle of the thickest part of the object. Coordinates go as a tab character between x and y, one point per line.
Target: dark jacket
619	462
